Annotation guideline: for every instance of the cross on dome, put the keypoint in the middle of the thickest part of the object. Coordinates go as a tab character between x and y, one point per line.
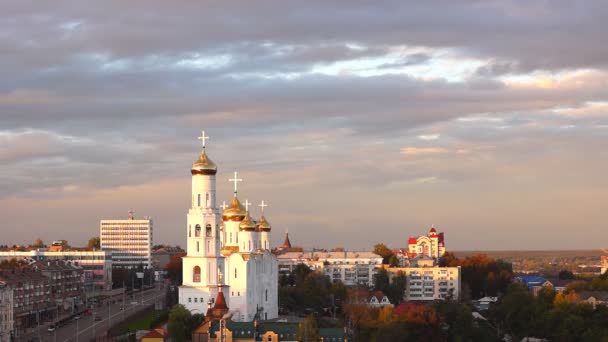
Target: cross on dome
263	205
235	180
247	204
203	138
224	205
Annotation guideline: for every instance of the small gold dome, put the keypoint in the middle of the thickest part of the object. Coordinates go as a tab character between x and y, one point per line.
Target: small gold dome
235	211
263	225
203	165
247	224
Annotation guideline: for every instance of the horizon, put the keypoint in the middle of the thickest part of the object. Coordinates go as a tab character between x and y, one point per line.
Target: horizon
357	124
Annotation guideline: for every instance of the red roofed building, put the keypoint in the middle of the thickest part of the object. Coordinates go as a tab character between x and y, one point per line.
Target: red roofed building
431	245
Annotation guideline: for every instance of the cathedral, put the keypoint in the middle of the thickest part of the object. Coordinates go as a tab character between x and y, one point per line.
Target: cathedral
228	252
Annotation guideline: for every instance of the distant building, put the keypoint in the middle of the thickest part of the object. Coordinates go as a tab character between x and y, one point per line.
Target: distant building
431	245
129	240
6	312
351	268
594	298
429	283
362	295
96	265
161	257
604	264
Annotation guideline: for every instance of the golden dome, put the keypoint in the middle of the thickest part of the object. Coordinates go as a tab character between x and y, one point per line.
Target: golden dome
247	224
203	165
235	211
263	225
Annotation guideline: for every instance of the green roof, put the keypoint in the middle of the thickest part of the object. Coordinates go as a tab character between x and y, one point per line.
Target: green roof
285	330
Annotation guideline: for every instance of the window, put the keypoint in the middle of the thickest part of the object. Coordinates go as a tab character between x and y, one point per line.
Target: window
249	244
202	300
190	231
195	300
207	200
235	272
189	300
208	230
197	249
266	294
208	246
230	237
196	276
197	230
198	200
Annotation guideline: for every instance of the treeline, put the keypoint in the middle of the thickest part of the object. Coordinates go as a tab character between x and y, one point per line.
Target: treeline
481	275
550	315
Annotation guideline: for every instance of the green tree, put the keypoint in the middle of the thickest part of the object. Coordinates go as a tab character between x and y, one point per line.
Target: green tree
393	261
179	323
308	330
397	288
382	281
383	251
94	243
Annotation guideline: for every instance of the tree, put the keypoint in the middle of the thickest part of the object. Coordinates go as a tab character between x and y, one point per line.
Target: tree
179	323
308	330
174	269
393	261
397	288
382	281
383	251
94	243
38	243
565	274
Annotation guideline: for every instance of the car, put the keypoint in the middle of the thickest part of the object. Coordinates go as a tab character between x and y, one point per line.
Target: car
77	317
51	328
134	303
97	318
122	308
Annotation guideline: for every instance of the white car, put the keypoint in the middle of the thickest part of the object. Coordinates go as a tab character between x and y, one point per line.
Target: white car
51	328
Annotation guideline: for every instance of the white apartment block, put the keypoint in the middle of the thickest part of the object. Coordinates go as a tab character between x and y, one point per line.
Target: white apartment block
129	240
96	265
430	283
6	312
351	268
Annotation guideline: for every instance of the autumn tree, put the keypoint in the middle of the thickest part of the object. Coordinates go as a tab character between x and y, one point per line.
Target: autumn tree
308	330
38	243
384	252
94	243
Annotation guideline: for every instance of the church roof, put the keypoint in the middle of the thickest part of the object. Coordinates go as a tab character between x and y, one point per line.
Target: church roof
203	165
235	211
287	243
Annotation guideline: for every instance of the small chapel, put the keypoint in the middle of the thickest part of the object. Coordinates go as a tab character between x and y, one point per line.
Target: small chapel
229	260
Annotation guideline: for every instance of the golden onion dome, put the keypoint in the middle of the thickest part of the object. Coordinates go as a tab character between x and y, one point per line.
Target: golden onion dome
263	225
247	224
203	165
235	211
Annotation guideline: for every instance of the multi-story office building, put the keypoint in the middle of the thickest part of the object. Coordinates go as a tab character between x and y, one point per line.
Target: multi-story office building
429	283
129	240
96	265
351	268
6	312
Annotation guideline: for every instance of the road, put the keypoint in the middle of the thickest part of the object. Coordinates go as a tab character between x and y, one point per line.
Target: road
88	328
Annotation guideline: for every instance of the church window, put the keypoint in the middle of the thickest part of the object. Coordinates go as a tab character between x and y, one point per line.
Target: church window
235	273
198	200
196	275
266	294
195	300
197	230
189	230
207	199
208	230
249	245
208	246
189	300
202	300
197	247
230	237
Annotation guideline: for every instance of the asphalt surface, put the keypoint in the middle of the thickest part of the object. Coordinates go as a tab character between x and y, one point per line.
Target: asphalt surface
86	328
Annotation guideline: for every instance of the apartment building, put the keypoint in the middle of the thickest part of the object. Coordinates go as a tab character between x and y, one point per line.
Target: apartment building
96	264
6	312
429	283
130	241
350	267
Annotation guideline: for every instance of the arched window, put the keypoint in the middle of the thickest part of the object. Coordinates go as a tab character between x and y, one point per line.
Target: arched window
197	247
198	201
196	274
208	230
197	230
235	273
190	231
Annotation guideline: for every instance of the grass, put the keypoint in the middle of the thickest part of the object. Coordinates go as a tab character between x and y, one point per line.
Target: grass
143	323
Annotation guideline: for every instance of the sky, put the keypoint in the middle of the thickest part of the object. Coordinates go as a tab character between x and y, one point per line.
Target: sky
358	122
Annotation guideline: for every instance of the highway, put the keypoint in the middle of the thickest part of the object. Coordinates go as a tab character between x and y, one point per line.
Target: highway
88	328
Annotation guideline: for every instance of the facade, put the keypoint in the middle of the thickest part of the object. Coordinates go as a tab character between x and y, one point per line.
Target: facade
6	312
363	296
604	264
351	268
431	245
429	283
227	252
162	256
96	265
130	241
66	282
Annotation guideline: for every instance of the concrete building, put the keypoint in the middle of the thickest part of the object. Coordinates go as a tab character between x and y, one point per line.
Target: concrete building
351	268
130	241
96	265
429	283
431	245
7	321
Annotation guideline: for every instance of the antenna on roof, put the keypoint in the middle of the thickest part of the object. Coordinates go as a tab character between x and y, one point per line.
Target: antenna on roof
131	212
